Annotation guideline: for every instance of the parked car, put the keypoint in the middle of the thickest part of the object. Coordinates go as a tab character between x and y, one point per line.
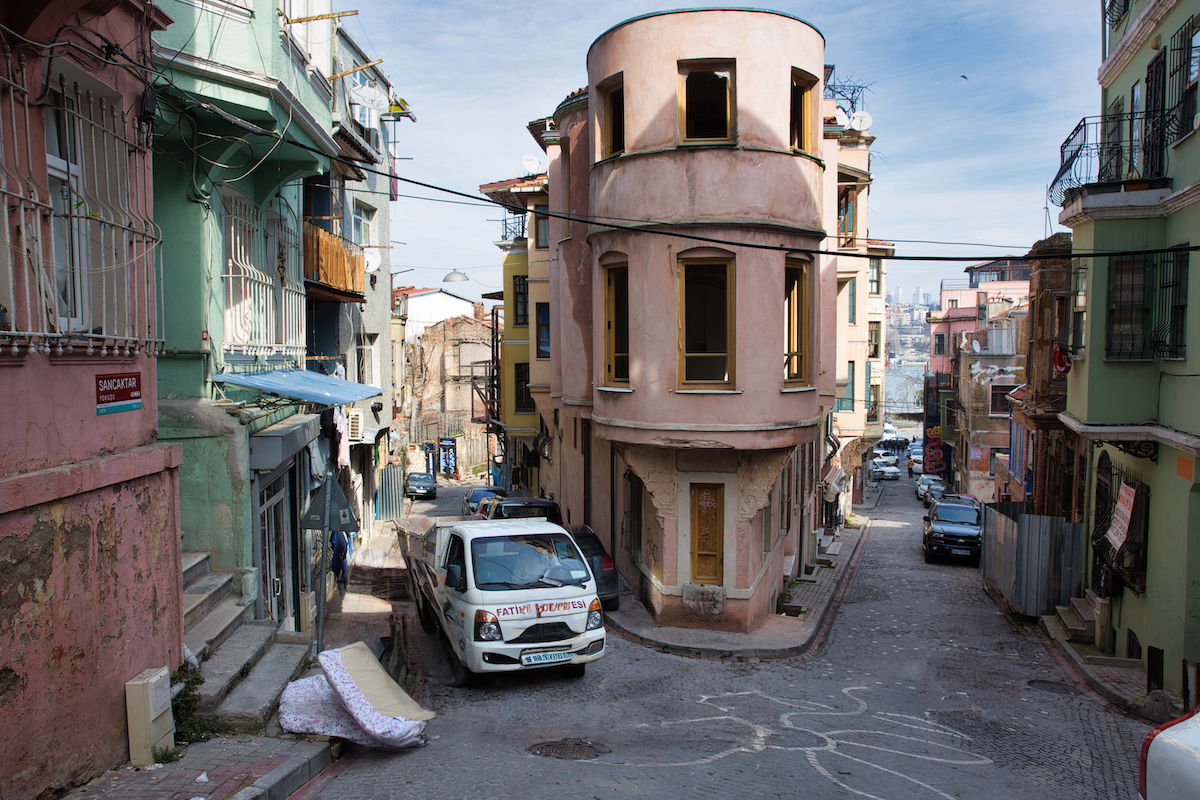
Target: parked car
923	484
516	507
882	471
886	456
420	484
918	464
481	510
1170	763
953	528
471	498
602	564
933	491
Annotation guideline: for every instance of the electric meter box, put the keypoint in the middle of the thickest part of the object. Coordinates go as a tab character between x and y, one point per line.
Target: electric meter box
151	723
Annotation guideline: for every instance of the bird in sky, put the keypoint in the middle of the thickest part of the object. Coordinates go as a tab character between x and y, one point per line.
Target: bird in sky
964	77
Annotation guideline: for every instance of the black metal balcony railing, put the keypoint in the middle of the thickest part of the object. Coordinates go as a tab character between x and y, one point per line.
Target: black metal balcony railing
1114	10
1110	149
512	227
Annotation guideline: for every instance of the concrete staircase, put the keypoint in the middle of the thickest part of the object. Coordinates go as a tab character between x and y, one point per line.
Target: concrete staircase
245	664
1079	620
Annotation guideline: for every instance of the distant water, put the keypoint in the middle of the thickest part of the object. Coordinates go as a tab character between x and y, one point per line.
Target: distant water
902	386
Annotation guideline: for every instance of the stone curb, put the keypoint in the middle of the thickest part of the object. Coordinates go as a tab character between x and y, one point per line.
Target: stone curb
759	652
299	769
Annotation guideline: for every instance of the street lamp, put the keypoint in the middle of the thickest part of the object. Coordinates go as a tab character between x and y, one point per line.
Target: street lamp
455	276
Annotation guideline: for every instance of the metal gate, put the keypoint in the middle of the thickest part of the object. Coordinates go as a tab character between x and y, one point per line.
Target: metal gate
389	497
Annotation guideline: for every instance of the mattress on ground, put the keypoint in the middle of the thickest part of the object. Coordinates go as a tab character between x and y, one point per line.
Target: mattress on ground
310	705
376	702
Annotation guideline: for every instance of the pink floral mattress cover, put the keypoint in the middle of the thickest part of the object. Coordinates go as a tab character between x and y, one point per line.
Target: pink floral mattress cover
331	704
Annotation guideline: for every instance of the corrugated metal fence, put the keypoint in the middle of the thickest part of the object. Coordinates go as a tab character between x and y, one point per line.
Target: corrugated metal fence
389	497
1035	562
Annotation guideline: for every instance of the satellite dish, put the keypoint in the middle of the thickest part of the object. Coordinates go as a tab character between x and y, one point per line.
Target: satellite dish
860	120
532	164
842	118
373	259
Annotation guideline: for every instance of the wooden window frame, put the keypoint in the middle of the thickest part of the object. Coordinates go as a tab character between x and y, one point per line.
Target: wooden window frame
875	276
802	130
874	339
522	398
795	322
730	324
612	135
687	67
612	355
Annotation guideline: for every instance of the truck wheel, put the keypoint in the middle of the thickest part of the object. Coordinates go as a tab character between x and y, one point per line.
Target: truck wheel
575	670
459	674
928	557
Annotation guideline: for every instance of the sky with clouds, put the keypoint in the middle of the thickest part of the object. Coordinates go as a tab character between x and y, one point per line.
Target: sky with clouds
956	159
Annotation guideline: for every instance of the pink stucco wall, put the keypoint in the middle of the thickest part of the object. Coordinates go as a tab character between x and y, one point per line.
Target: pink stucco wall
90	597
90	577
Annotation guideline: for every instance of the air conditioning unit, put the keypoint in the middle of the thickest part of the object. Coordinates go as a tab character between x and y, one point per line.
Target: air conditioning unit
354	424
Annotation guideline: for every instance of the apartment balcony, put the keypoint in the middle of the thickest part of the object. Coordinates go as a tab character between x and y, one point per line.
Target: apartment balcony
1114	153
334	268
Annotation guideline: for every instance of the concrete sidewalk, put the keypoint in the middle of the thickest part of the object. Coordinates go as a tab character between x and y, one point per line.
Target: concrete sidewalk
779	637
240	768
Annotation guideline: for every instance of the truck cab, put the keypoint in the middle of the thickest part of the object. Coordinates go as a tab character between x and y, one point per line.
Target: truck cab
509	595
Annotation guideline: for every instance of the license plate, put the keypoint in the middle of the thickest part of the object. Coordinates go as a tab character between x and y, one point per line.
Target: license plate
958	551
531	659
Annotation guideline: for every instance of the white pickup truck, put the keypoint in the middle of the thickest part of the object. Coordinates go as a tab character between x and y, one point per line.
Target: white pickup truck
507	595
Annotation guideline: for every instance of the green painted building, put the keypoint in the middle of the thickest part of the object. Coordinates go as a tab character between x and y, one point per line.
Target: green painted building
243	116
1129	180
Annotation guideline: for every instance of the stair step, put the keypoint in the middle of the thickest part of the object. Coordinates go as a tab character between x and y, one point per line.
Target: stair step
195	564
203	594
231	661
1077	629
206	635
1085	610
255	698
834	548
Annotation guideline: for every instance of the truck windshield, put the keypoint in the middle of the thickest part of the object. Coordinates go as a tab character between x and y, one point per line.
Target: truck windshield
527	561
961	514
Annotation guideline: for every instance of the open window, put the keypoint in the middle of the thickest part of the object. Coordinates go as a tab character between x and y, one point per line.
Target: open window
706	324
616	322
795	322
803	115
706	101
612	124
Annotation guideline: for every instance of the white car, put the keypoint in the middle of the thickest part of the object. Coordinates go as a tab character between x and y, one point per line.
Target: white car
885	456
918	464
1170	766
884	472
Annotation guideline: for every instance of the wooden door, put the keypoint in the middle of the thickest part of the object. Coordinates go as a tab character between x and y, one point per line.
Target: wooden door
708	532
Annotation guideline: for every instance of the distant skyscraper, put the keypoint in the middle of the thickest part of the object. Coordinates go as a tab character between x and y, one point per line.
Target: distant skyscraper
917	296
927	299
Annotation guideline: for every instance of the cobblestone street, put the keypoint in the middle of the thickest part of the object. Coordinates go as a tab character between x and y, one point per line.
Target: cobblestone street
923	689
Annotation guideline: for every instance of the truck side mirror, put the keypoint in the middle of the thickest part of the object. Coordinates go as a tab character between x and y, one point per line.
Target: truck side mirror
926	518
455	578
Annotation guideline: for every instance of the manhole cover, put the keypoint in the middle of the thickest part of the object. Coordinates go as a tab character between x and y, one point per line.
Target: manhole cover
573	749
1052	686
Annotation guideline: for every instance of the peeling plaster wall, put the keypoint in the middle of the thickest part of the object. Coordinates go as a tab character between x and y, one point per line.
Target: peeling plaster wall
215	486
89	597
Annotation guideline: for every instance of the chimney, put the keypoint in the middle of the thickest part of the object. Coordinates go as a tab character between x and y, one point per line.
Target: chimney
480	314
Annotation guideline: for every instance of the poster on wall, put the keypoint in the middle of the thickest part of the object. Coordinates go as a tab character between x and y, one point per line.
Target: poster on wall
447	457
430	457
1118	531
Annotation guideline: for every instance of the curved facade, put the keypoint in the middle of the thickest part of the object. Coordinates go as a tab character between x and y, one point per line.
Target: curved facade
689	389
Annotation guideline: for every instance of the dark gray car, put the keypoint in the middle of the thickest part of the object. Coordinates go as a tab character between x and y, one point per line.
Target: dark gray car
420	484
602	564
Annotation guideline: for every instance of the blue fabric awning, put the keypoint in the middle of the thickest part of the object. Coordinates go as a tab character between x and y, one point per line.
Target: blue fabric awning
301	384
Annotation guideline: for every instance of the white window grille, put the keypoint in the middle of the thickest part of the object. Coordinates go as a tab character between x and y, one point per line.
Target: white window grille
263	288
80	265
